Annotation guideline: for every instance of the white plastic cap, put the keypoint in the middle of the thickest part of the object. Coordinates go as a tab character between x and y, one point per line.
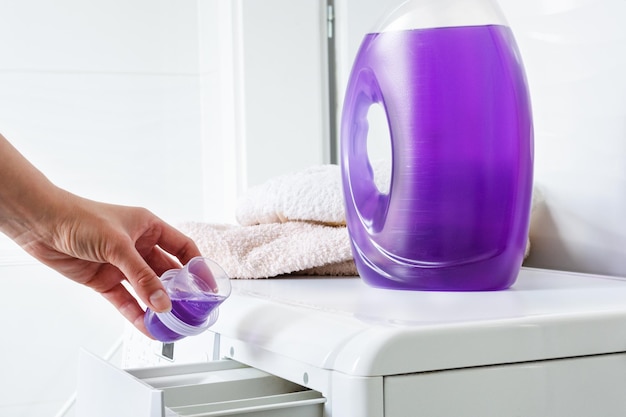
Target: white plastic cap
424	14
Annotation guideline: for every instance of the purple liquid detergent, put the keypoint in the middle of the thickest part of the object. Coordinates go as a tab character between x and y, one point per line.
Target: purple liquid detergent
196	291
193	312
456	216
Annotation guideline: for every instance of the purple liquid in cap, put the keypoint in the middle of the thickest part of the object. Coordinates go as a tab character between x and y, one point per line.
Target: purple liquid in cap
196	291
192	311
457	213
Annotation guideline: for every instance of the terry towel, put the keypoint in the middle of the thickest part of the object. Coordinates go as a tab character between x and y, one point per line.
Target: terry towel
293	223
273	249
313	194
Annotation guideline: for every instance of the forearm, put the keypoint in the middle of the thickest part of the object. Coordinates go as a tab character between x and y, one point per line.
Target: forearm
28	200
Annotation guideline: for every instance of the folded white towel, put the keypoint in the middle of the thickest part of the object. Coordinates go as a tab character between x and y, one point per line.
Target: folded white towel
313	194
269	250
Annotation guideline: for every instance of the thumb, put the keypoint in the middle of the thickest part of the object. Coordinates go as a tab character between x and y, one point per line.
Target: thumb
145	282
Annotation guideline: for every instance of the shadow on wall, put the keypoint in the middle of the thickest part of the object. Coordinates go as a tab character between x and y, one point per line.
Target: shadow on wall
548	249
569	242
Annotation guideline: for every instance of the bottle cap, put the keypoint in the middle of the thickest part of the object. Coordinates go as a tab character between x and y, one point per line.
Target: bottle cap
196	291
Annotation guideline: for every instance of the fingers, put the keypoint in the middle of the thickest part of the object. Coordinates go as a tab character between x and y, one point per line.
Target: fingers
127	305
176	243
141	260
144	280
159	243
160	261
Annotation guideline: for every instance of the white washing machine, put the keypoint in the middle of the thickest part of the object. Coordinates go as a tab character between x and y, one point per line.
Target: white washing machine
552	345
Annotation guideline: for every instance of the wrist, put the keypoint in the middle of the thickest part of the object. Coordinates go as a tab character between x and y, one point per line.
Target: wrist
33	214
29	202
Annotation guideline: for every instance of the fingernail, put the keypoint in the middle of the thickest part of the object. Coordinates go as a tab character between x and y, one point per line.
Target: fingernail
160	301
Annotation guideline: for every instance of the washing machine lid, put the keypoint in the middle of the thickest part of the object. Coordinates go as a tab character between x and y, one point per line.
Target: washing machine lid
344	325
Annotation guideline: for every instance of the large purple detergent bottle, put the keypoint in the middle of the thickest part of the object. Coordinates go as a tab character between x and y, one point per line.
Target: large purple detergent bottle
450	79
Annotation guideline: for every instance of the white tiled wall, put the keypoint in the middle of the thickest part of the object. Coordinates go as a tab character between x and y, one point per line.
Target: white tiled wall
139	36
111	100
104	97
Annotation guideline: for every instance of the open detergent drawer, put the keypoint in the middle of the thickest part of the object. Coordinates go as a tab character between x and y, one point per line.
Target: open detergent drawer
218	388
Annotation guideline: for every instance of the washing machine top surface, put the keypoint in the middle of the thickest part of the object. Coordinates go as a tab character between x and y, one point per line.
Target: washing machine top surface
344	325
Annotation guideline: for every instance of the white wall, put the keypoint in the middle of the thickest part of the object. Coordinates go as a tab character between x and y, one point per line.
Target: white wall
111	100
104	97
283	88
573	51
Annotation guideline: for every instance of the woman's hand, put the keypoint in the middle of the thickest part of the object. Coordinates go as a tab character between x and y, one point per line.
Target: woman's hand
96	244
102	245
